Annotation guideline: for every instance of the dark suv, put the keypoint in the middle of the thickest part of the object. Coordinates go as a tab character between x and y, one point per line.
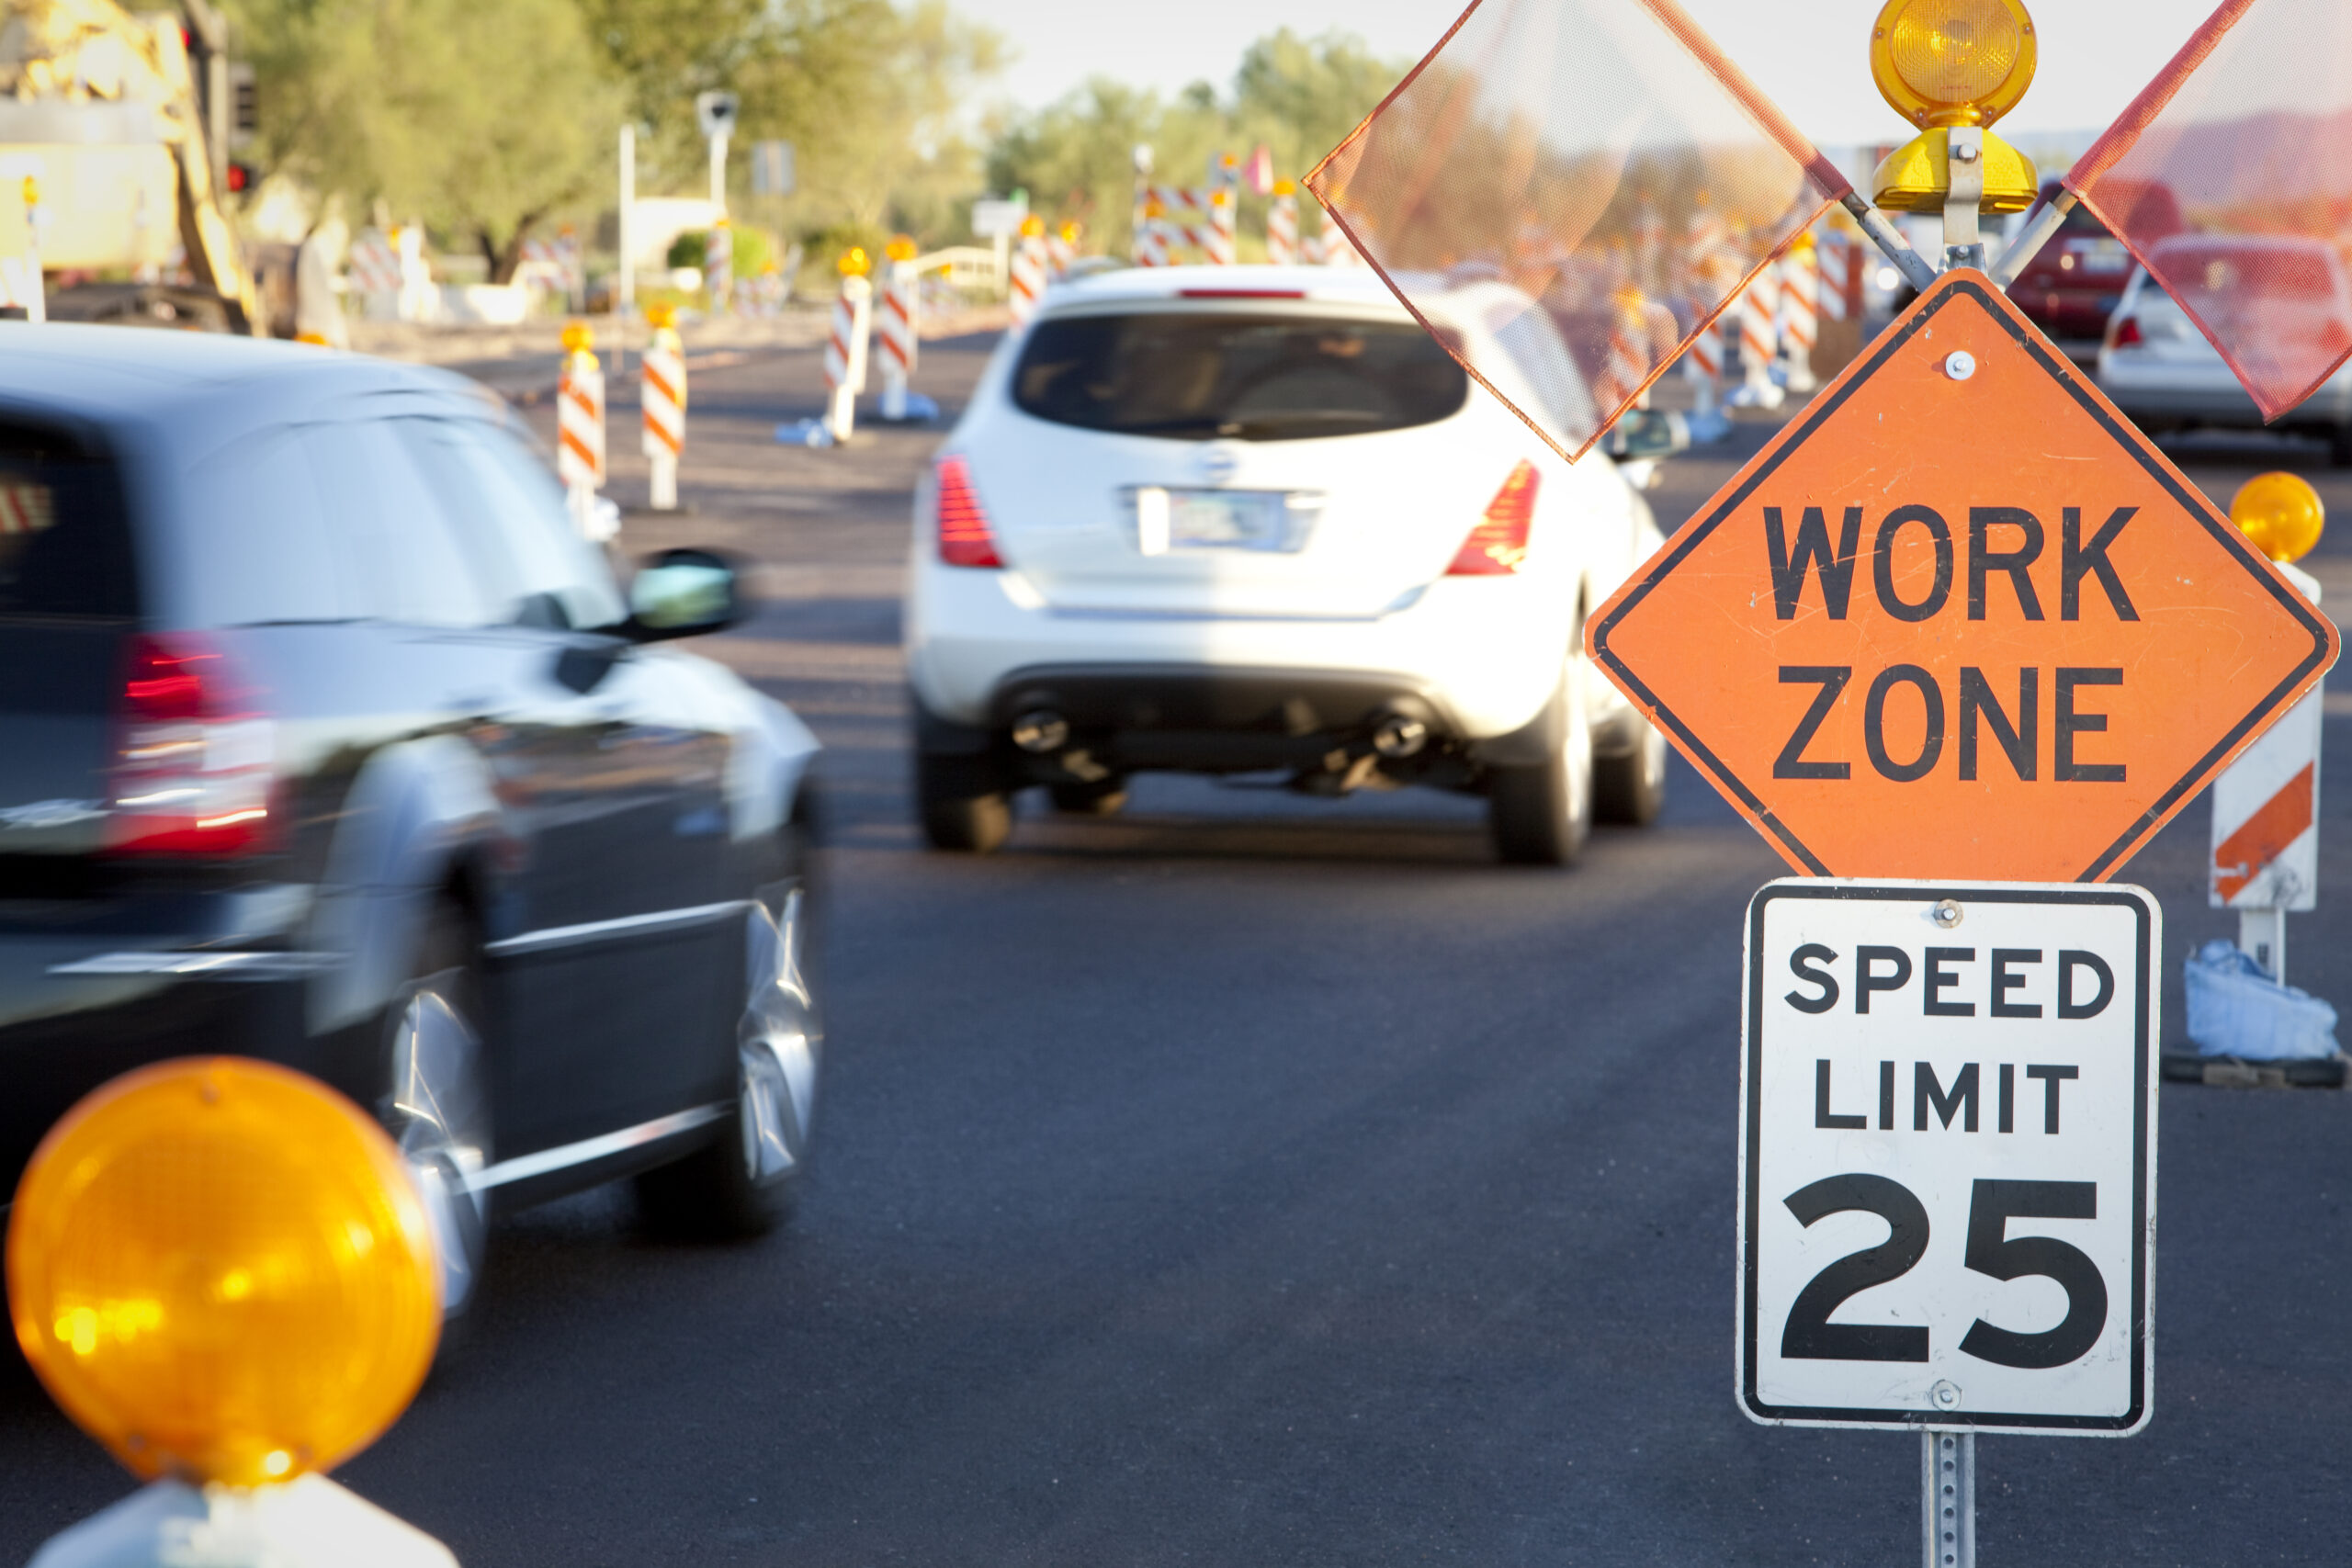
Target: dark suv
324	739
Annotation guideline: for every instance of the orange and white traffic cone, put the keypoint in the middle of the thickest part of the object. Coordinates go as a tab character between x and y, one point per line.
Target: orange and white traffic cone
661	391
845	346
1028	282
579	431
1282	224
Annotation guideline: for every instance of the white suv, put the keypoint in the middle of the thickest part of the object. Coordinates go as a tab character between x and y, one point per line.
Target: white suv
1249	519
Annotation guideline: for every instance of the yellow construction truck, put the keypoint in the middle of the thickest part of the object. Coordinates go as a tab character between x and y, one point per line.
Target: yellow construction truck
113	153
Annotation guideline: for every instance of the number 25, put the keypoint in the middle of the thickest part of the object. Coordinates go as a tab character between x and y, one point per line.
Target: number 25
1810	1336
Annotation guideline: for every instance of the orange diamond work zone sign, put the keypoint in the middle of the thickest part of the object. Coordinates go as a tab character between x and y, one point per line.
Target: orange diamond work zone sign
1960	619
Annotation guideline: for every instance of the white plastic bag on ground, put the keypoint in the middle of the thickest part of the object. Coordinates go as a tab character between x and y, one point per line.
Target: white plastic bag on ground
2235	1009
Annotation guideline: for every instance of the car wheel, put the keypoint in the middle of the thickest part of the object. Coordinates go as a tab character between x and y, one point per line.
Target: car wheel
1541	813
962	804
743	1185
1631	789
437	1107
1104	797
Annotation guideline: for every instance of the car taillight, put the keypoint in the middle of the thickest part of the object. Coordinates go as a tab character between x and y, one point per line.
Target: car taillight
1498	546
194	764
2126	333
963	537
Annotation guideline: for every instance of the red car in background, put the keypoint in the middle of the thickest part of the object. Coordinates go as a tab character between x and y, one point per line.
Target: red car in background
2072	286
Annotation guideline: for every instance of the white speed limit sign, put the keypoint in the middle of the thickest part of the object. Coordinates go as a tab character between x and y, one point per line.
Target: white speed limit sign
1948	1155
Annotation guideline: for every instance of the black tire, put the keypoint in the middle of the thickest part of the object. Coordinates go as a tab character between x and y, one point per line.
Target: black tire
1540	814
1631	789
435	1102
744	1183
1104	797
962	804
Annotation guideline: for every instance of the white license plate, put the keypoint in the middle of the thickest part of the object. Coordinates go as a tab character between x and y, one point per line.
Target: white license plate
1214	520
2105	255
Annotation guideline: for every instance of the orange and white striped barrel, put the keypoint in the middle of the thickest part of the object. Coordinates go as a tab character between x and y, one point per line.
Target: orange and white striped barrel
1028	281
901	309
1061	251
1219	240
1282	224
662	395
845	344
1801	312
1703	366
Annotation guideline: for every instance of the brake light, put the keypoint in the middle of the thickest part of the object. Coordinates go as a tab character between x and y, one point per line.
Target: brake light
2127	331
194	766
963	537
1498	546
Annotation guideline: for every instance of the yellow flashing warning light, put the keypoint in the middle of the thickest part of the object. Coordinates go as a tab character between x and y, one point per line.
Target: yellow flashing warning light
660	315
2281	513
578	337
1952	61
1154	207
855	262
1070	230
32	191
1032	227
901	248
221	1270
1285	187
1916	177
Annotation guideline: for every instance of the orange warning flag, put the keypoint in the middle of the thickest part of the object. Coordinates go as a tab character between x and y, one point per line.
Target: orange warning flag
1557	159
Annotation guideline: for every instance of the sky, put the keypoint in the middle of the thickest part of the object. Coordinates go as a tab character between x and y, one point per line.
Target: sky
1810	56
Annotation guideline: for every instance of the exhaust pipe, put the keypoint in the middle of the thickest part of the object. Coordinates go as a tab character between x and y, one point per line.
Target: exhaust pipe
1397	736
1040	731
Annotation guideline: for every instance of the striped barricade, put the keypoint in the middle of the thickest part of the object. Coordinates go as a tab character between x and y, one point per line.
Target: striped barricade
579	428
1027	284
845	344
1282	224
661	391
898	334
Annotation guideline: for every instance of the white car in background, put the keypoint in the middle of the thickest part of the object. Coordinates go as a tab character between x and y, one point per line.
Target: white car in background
2159	369
1241	520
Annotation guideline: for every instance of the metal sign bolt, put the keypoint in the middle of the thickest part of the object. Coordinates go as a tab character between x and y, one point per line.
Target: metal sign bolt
1946	1393
1947	913
1961	365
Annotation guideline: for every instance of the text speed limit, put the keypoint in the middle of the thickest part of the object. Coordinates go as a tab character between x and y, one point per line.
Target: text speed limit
1948	1155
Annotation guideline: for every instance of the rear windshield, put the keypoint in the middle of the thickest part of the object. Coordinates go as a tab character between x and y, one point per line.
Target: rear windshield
1196	376
2277	272
64	545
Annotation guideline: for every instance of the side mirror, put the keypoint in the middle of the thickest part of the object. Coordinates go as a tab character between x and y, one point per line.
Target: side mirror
683	593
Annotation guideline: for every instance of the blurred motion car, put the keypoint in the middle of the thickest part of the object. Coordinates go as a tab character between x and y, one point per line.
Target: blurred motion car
325	739
2161	369
1239	520
2074	283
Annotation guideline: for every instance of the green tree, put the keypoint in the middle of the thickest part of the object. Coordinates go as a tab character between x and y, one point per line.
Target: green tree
1299	97
867	92
484	119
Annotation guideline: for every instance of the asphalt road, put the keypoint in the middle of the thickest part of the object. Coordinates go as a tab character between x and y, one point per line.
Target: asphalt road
1249	1180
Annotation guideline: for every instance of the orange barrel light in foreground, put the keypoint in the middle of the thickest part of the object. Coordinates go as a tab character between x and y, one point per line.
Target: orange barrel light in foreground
219	1270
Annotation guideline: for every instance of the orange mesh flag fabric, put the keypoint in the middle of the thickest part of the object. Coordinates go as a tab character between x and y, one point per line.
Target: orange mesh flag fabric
1601	178
2230	177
